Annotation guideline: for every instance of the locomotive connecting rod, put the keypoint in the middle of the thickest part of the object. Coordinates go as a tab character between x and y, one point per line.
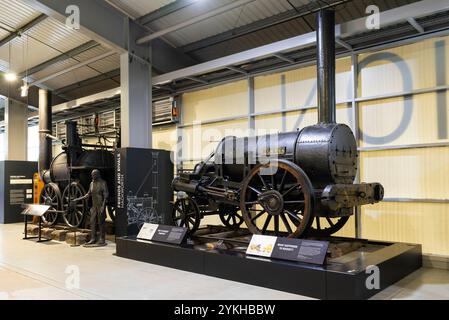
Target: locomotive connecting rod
326	66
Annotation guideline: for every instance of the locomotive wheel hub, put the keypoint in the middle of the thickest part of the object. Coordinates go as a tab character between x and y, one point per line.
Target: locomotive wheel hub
272	201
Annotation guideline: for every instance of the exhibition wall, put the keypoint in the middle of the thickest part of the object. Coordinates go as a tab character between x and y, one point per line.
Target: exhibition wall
400	107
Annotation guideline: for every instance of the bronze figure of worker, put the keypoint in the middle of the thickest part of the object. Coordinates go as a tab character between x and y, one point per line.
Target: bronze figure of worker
98	190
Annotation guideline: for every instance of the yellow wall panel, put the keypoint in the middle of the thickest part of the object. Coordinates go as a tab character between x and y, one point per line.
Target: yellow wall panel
424	223
165	138
217	102
399	121
267	93
268	124
301	84
343	80
348	231
200	141
301	87
420	64
412	173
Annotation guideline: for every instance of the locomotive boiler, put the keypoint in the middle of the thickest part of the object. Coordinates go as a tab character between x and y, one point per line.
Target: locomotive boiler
293	184
67	176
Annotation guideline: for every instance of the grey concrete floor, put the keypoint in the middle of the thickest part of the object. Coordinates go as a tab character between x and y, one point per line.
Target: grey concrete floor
53	270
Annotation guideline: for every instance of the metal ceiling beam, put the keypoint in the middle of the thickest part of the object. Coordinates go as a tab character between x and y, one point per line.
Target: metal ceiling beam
74	104
258	25
165	11
105	24
415	25
344	44
238	58
282	57
238	70
197	80
63	56
393	16
23	29
70	69
215	12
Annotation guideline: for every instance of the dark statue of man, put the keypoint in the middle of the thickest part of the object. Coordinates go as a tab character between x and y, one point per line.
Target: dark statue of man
98	190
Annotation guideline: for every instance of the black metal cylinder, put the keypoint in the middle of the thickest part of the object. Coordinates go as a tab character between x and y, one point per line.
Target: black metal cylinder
326	66
45	127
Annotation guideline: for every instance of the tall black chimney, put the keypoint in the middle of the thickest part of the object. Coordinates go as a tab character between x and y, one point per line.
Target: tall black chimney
326	66
45	126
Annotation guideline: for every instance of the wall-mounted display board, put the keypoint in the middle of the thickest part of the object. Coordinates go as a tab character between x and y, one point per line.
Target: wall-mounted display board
16	188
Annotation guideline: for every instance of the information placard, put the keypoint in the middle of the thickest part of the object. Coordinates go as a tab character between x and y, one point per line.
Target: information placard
309	251
37	210
162	233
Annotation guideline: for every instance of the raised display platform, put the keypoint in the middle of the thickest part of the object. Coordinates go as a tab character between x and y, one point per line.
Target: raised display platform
222	254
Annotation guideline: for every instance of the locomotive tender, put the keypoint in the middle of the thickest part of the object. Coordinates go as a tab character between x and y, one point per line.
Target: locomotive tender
292	184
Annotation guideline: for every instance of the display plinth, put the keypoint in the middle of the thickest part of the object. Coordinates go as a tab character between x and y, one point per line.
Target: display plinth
341	278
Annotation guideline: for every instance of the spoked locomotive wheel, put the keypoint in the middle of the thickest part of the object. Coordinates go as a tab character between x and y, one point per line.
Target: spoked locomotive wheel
231	217
325	226
186	214
51	196
277	197
74	212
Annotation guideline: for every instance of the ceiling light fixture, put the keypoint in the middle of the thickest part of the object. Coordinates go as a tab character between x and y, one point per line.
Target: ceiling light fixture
10	76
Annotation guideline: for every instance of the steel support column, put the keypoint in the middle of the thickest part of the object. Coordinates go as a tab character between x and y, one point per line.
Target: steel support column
16	130
136	93
251	107
355	129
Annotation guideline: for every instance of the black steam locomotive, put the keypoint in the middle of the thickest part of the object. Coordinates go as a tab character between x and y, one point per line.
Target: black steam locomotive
68	177
292	184
278	183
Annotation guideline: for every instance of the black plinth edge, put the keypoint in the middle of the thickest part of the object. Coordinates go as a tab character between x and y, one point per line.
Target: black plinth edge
333	281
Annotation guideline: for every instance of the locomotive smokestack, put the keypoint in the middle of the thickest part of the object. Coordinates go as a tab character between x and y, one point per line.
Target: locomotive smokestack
45	126
326	66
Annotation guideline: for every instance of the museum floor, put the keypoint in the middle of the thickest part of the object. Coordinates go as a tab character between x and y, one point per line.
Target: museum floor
30	270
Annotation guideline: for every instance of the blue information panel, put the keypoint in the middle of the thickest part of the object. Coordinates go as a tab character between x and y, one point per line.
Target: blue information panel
309	251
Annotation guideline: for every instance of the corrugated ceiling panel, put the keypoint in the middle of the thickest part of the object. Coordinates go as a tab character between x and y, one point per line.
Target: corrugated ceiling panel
74	76
350	11
25	53
91	53
193	10
98	67
107	64
57	35
54	68
3	34
14	13
69	62
138	8
241	16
